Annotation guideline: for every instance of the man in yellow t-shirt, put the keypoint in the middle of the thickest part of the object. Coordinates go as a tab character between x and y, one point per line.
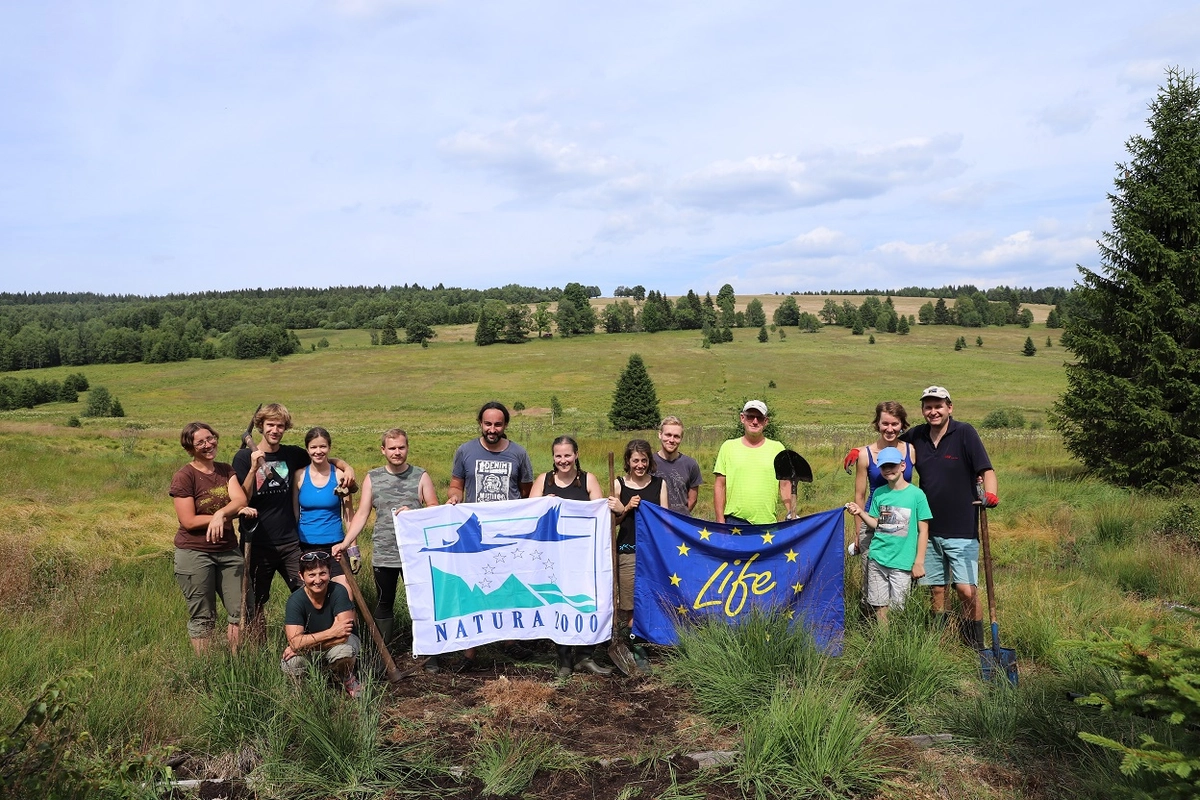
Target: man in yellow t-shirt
745	486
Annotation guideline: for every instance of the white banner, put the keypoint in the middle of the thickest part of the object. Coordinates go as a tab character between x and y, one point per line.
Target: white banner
521	569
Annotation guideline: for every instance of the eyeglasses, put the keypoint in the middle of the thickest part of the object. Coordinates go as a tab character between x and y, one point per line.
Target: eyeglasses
308	558
205	442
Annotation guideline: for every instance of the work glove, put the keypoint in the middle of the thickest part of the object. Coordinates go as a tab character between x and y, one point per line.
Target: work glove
354	557
990	500
851	460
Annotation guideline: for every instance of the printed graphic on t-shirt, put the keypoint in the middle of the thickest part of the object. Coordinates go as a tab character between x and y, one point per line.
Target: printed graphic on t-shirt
893	520
492	480
272	477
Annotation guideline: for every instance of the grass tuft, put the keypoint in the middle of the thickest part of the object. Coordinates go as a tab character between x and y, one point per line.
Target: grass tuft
506	763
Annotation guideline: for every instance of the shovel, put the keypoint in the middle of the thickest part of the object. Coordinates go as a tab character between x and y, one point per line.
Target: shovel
393	673
994	660
791	466
617	651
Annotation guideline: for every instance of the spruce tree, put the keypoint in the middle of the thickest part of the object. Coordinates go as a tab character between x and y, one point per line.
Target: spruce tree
635	403
1030	349
902	327
388	336
1130	410
763	336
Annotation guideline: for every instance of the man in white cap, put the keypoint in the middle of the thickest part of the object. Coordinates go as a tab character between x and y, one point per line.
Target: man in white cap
951	462
745	486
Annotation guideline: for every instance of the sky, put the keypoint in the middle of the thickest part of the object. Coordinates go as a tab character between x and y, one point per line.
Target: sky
153	147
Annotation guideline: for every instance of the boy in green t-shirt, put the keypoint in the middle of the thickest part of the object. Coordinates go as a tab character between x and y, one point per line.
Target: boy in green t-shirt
899	515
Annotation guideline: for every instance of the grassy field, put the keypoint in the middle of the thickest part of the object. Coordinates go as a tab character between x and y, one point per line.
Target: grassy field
89	525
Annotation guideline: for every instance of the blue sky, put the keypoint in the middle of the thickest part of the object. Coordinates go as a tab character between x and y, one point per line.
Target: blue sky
152	147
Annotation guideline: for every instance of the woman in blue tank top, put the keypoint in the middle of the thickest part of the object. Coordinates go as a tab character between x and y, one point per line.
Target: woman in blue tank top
318	504
890	421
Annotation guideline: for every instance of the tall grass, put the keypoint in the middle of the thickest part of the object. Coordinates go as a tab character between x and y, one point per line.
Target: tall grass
321	743
506	763
732	671
904	668
814	741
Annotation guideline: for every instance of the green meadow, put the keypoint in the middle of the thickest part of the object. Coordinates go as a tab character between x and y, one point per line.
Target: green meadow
88	530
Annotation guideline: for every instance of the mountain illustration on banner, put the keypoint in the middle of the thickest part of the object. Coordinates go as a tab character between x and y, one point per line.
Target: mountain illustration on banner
452	597
455	596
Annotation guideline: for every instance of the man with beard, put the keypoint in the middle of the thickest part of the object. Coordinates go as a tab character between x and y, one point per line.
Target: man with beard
681	473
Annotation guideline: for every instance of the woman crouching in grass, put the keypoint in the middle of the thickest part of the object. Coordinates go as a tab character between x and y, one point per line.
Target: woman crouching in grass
207	496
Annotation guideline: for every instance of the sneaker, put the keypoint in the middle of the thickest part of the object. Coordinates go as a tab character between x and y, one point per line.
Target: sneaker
352	686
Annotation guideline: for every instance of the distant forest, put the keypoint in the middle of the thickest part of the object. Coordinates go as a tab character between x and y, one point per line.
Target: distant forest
75	329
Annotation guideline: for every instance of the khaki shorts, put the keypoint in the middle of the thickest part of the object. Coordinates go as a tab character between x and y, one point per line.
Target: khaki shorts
625	569
887	586
298	665
202	577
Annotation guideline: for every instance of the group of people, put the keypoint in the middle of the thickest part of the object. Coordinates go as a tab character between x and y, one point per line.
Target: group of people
931	533
297	518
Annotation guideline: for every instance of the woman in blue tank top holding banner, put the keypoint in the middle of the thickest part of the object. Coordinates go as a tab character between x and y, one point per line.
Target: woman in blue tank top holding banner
318	503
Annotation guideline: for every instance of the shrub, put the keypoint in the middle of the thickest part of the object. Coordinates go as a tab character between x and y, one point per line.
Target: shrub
73	422
99	402
518	406
1160	680
1180	522
1003	418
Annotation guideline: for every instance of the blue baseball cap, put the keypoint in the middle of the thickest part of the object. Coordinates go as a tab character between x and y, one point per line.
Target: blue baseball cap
889	455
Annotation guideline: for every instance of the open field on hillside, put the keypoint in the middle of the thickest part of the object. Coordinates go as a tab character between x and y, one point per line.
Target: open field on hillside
89	525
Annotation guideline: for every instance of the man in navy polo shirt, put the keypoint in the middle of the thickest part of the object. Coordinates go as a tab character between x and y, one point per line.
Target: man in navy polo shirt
951	460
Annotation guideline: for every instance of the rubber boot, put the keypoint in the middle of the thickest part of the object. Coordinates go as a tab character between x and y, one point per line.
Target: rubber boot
566	659
973	633
387	628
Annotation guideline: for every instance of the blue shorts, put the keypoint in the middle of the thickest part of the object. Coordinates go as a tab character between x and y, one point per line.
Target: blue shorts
951	561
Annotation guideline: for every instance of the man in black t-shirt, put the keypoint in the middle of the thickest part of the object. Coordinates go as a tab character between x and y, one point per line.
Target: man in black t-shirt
266	473
951	461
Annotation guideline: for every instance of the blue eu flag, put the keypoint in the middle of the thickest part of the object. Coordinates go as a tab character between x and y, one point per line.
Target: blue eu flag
689	568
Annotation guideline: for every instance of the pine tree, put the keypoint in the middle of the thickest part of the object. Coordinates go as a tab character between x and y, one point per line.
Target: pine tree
763	336
958	345
979	341
1131	411
388	335
941	314
1053	320
635	403
1029	348
902	327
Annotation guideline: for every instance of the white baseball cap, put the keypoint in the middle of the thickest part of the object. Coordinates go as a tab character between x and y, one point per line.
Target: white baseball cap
755	405
936	391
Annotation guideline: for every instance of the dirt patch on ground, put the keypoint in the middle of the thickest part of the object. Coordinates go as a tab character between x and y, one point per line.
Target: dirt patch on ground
619	731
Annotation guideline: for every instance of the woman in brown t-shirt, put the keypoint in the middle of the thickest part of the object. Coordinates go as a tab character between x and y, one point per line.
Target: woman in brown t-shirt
207	496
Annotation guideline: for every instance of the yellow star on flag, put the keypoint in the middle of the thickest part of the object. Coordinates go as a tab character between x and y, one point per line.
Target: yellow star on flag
683	549
675	580
798	587
705	533
681	610
768	537
791	614
791	555
736	531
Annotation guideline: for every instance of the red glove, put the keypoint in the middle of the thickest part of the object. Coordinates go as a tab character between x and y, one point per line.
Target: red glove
851	460
990	500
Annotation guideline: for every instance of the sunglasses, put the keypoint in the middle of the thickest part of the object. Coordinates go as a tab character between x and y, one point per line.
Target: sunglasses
308	558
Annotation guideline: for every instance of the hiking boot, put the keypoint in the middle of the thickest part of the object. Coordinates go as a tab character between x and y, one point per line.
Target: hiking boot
586	664
352	686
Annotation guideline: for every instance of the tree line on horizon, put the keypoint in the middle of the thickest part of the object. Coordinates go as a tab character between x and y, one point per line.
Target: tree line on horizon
77	329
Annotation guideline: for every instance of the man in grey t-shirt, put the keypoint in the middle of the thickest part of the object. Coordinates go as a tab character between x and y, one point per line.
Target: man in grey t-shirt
681	473
491	467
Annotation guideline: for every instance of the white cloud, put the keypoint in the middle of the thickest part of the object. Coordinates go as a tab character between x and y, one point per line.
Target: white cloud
762	184
533	157
983	251
967	195
1070	116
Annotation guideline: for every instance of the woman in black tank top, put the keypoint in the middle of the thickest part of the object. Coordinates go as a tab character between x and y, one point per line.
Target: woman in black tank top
639	483
569	482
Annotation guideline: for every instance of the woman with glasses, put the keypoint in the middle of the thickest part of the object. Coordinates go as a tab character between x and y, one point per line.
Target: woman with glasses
319	625
207	496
